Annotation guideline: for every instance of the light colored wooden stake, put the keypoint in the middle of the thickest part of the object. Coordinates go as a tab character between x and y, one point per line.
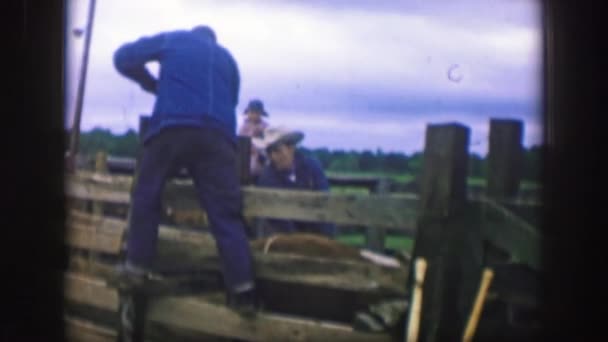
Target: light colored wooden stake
101	166
414	322
488	274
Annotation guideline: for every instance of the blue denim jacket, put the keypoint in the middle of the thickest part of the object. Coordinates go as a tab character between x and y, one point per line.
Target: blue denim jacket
198	82
309	175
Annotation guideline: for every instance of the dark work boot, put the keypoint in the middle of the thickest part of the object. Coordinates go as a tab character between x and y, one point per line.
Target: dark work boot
245	302
131	275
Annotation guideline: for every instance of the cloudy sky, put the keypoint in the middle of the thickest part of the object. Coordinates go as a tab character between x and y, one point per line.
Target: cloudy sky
351	74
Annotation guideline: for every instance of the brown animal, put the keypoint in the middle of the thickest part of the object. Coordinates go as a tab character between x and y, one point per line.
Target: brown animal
307	244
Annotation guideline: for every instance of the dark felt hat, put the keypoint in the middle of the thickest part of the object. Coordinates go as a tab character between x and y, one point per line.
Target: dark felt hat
256	105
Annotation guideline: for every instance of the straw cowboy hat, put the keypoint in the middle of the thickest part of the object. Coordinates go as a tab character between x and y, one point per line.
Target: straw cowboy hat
277	135
256	105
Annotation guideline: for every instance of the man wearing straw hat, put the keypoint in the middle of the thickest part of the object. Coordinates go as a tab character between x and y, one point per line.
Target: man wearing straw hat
193	125
289	168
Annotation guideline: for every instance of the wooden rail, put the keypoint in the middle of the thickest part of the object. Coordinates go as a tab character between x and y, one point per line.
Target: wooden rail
194	313
396	211
391	211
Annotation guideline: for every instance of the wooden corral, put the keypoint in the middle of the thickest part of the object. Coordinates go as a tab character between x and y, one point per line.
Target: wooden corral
308	296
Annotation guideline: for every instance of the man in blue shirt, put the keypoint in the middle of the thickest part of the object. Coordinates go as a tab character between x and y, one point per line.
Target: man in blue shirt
289	168
193	125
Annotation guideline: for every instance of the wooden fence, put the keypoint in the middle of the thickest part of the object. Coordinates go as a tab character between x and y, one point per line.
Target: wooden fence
456	233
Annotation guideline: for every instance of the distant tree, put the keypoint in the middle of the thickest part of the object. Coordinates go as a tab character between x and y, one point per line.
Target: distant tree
415	163
396	162
100	139
345	162
323	155
126	144
368	162
477	167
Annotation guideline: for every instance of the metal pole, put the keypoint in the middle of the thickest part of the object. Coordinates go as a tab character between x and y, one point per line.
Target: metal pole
75	133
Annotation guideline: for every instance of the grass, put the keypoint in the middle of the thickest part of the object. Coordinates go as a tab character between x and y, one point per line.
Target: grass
391	242
406	178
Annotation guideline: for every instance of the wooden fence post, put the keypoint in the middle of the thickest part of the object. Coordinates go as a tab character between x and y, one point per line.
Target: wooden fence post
504	170
375	236
443	237
101	166
504	158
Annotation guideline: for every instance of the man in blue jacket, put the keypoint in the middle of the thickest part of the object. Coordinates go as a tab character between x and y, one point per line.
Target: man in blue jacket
291	169
193	125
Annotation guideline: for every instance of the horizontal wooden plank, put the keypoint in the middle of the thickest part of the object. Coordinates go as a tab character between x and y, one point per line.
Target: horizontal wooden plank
90	267
96	192
383	211
106	234
197	314
511	233
90	291
79	330
179	249
523	247
388	211
94	232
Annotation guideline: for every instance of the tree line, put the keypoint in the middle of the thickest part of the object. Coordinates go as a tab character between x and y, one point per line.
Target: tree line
367	161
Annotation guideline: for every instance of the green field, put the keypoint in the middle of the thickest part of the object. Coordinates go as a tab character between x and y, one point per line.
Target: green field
391	242
406	178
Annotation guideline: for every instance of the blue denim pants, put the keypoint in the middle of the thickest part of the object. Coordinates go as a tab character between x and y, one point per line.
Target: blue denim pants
210	158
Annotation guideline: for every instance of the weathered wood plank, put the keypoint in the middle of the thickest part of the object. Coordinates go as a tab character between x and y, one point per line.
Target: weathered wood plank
90	291
523	246
390	211
505	158
96	191
197	314
101	166
375	236
90	267
449	243
103	237
509	232
179	249
295	269
387	211
79	330
106	234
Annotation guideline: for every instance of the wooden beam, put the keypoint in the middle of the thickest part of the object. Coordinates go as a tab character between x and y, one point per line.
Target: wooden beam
196	314
512	234
79	330
189	250
106	234
505	158
445	237
90	291
295	269
375	236
101	166
90	267
76	188
95	233
387	211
